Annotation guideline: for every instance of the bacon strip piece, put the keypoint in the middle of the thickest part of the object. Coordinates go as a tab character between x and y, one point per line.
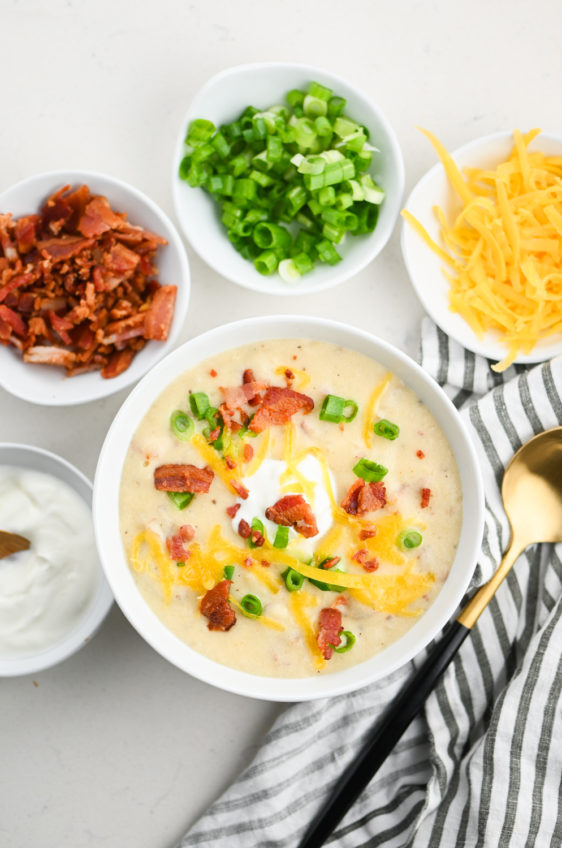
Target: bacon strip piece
13	319
329	628
176	544
118	362
294	511
364	497
214	606
46	355
98	217
159	314
425	498
278	407
183	478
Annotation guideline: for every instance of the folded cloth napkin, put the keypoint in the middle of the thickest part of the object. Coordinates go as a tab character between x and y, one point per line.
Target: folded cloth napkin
482	765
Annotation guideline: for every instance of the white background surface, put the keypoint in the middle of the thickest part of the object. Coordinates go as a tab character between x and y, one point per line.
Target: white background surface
116	748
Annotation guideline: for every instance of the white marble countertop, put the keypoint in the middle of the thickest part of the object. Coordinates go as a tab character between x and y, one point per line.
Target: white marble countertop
116	747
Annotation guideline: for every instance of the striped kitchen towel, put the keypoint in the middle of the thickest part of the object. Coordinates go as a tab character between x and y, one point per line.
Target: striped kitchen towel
482	766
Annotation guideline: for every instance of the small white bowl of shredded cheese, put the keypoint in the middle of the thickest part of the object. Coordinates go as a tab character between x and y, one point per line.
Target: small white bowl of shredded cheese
54	596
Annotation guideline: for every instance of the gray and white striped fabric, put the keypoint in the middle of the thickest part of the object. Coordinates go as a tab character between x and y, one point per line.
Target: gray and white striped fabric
483	765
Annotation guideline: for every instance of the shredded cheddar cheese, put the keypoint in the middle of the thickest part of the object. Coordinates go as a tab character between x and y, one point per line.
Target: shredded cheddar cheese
298	603
259	454
504	248
370	409
213	459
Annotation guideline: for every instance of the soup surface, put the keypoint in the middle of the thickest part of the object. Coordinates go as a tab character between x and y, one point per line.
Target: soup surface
336	524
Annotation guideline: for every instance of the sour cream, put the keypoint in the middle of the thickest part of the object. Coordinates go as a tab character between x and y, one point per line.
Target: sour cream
266	488
45	590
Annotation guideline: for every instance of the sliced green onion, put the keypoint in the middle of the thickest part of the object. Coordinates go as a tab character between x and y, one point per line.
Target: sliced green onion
370	471
199	403
180	564
332	409
293	580
288	271
387	429
409	539
281	537
320	91
181	499
348	644
200	130
182	425
268	235
251	606
303	263
266	263
228	572
327	252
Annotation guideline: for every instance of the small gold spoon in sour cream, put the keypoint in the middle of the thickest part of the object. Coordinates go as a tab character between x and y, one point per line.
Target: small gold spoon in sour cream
532	500
11	543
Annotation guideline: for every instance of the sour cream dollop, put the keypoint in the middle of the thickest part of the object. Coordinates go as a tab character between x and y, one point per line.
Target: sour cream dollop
265	489
45	590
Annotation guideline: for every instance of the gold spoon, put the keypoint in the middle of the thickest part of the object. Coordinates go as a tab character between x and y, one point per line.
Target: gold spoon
532	499
11	543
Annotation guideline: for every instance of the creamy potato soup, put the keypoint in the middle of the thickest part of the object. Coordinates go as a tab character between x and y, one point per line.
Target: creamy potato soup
289	508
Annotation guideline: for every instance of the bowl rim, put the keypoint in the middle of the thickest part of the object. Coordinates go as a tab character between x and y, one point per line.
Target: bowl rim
451	323
120	578
160	349
102	598
255	283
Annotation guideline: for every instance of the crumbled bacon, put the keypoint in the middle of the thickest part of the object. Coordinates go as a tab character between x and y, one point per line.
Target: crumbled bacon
257	538
73	274
368	533
331	562
213	372
420	454
364	497
370	564
215	606
244	529
360	556
294	511
232	510
230	462
425	497
183	478
278	407
329	628
176	544
248	453
248	377
240	489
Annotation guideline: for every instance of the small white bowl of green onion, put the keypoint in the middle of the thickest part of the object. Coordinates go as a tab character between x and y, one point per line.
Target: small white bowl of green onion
286	179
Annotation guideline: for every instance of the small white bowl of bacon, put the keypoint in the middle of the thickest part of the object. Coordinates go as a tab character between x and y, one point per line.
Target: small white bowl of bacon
94	285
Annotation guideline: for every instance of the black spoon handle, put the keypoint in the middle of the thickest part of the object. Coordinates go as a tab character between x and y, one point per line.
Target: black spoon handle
384	737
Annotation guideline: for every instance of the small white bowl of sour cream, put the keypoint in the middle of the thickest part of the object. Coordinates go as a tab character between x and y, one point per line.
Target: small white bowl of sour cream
54	596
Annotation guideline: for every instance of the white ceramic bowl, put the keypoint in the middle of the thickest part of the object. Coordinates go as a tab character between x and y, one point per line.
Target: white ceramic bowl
46	385
106	509
222	100
425	268
37	459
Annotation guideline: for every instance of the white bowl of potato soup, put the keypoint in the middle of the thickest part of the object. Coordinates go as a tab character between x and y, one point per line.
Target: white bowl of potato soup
53	595
260	457
220	226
